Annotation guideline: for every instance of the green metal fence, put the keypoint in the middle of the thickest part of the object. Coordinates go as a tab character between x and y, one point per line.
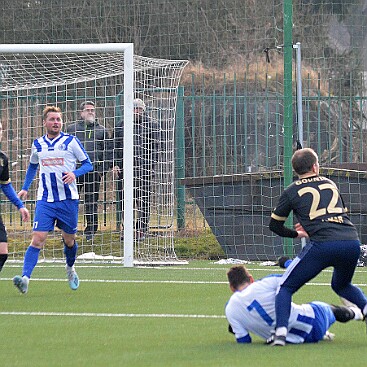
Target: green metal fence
235	125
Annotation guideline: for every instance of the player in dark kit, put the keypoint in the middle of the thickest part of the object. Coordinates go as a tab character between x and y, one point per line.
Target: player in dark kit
322	217
10	193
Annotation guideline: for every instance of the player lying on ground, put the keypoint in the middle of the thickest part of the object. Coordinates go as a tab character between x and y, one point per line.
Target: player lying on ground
251	309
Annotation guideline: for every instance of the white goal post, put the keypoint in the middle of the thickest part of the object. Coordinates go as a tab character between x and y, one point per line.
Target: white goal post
35	75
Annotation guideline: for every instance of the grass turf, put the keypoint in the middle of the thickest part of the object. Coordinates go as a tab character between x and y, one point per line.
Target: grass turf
169	316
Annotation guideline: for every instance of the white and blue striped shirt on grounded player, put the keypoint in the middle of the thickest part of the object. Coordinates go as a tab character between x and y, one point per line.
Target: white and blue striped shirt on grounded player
252	310
55	157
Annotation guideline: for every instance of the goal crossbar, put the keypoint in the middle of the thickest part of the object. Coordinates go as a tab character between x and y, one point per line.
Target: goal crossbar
34	48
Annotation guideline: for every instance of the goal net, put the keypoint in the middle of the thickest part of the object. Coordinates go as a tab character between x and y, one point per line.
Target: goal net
32	77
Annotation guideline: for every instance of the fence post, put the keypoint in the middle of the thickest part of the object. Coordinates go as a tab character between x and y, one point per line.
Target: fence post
180	159
288	108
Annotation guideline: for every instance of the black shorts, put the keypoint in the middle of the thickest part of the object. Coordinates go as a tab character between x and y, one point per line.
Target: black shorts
3	234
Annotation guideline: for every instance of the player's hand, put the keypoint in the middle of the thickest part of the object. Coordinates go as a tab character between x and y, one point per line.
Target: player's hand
301	232
22	194
25	214
68	177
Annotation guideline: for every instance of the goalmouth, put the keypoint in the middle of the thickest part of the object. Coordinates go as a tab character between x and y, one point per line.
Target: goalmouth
35	75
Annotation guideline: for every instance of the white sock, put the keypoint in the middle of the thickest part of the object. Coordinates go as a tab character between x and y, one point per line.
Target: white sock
357	313
281	331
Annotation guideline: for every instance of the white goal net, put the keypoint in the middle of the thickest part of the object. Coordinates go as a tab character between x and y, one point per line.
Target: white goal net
29	81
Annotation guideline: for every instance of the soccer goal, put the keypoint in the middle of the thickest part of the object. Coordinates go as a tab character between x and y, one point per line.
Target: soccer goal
33	76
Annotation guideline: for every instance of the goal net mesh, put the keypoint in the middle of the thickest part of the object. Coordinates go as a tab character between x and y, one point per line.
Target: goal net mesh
29	82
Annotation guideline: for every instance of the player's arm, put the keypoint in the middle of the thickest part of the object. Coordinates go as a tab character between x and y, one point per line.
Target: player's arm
277	225
279	216
10	193
69	177
236	327
243	339
86	166
29	176
83	158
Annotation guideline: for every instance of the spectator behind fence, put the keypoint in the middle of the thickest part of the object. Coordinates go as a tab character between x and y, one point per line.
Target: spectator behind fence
94	137
56	155
146	148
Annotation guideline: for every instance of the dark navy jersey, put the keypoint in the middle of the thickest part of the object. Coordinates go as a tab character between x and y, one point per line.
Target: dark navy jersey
4	169
319	208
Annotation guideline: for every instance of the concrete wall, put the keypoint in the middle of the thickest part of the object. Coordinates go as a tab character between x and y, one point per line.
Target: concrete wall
238	208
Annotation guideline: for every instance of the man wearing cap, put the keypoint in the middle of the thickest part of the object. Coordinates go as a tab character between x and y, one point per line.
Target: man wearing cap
94	137
146	148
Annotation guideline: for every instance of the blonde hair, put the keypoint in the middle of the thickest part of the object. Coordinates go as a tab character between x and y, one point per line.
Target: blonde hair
48	109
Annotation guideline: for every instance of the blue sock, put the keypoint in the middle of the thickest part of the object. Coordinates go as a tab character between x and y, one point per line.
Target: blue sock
30	260
287	263
70	254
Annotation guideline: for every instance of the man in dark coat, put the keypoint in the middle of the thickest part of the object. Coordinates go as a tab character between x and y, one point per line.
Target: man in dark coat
94	137
146	149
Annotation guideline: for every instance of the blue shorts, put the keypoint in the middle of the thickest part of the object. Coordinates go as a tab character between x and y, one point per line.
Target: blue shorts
63	214
324	318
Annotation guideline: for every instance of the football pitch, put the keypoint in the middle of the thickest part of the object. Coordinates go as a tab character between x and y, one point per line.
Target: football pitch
166	316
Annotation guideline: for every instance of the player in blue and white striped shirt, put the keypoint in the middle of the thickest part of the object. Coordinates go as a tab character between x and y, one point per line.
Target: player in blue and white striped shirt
251	309
56	155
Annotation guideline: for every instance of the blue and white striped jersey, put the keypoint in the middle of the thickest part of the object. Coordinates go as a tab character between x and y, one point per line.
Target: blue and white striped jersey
253	311
55	157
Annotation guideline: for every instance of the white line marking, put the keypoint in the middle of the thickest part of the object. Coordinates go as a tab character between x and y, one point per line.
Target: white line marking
154	281
268	269
90	314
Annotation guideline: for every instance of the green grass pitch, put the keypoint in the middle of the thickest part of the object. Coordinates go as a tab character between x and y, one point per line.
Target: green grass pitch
167	316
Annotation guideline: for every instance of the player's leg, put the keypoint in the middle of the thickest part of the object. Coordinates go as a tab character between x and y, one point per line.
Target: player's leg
358	313
143	195
324	318
30	260
3	253
302	269
3	244
344	313
70	251
326	315
67	221
344	268
90	189
83	187
119	206
94	205
43	223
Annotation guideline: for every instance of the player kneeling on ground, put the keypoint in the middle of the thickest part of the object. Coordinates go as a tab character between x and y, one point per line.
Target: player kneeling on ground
251	309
